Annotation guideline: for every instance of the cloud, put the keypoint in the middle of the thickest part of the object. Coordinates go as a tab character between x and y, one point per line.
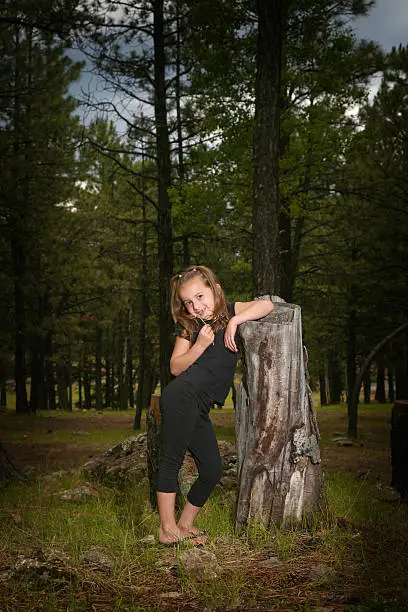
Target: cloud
387	23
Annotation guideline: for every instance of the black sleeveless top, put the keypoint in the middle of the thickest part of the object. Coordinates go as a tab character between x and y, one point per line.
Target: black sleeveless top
213	372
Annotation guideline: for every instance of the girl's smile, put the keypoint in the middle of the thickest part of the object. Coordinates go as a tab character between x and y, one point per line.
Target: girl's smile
197	298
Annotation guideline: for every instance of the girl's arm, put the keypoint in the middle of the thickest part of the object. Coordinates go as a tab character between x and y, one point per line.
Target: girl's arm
185	354
245	311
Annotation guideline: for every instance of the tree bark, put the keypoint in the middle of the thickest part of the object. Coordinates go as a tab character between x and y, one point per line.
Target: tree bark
163	181
87	385
380	386
62	384
266	144
98	368
37	374
391	394
351	364
279	472
20	337
50	385
80	364
334	376
109	387
322	387
153	422
367	387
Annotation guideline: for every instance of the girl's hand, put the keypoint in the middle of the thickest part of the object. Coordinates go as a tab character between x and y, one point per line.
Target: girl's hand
229	336
205	336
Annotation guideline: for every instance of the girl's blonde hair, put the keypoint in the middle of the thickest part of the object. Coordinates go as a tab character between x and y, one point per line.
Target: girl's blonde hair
178	310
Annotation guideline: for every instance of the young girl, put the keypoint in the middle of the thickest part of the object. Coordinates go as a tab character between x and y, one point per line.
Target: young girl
203	362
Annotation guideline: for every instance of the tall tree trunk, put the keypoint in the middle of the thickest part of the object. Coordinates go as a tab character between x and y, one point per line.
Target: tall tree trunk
334	374
279	471
109	390
164	181
130	377
80	371
18	249
143	374
62	384
36	373
322	387
69	378
380	384
98	368
129	359
87	384
391	391
123	386
20	340
50	385
367	387
351	370
266	146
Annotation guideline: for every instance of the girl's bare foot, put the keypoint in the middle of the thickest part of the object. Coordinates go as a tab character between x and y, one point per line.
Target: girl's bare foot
189	530
178	534
168	536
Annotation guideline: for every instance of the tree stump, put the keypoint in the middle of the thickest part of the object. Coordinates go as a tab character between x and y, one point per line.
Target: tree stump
399	448
279	472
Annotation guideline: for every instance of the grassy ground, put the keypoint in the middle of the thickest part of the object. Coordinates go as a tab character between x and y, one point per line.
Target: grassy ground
355	556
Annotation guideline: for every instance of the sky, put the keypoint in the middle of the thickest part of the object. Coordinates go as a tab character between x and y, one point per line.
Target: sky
387	23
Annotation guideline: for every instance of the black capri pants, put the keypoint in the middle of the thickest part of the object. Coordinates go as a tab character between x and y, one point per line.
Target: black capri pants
186	426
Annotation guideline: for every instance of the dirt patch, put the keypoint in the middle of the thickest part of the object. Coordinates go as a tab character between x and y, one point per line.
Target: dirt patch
55	455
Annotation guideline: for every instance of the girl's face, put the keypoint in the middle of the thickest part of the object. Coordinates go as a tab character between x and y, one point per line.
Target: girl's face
198	298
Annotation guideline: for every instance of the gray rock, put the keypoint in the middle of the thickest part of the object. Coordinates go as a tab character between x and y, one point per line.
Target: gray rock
44	568
149	539
171	595
57	475
124	463
320	572
200	564
271	562
81	493
98	560
344	442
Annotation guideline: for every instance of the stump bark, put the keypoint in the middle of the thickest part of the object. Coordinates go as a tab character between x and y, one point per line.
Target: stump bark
399	448
279	471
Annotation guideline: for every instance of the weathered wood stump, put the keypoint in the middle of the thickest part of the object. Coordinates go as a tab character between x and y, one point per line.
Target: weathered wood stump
399	448
279	472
